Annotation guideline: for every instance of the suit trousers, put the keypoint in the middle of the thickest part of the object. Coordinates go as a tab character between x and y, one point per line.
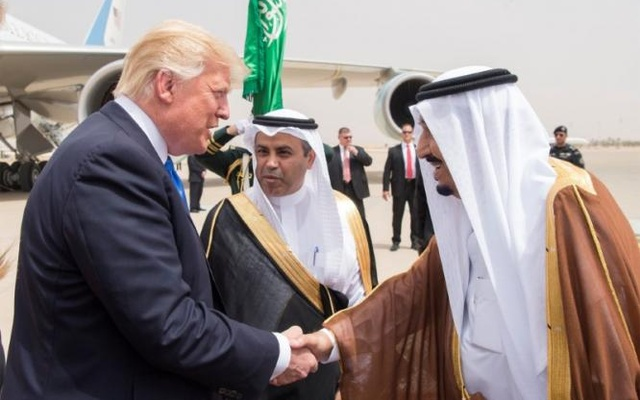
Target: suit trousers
350	193
399	201
195	194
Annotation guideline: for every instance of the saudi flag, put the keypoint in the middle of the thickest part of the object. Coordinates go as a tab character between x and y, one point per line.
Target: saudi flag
263	54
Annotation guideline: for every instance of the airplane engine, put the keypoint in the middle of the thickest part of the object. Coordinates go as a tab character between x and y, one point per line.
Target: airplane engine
394	97
98	89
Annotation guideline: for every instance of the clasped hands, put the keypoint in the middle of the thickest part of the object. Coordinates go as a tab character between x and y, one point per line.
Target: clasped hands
306	352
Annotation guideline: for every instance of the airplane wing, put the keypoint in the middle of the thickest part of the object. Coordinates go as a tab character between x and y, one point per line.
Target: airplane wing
66	83
309	73
306	73
47	79
42	77
41	80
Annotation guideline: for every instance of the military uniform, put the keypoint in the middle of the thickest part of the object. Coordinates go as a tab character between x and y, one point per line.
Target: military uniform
567	153
233	164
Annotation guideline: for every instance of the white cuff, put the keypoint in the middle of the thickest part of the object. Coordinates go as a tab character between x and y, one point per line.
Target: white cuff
335	351
284	357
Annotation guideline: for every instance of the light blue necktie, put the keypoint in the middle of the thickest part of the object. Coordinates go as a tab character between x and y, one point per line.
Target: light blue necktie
168	165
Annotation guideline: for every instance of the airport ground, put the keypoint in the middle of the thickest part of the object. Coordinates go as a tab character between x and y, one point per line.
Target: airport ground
618	168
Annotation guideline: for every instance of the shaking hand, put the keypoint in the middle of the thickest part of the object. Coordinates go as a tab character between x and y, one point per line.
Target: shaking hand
302	361
319	344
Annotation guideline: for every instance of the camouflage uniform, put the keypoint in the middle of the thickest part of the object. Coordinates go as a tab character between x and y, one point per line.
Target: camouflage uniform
567	153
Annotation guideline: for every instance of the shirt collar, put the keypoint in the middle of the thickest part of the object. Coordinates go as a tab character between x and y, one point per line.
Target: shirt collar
146	124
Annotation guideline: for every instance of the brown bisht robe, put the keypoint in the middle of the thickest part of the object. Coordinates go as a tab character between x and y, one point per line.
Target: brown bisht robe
400	343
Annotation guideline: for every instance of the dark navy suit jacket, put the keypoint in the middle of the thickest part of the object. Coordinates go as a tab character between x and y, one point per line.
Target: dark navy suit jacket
113	296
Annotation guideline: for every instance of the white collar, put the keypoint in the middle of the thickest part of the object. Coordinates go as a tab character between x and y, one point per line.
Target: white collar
290	200
146	124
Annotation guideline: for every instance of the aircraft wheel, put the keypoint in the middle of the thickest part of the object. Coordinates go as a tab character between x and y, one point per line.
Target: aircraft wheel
13	177
27	175
5	177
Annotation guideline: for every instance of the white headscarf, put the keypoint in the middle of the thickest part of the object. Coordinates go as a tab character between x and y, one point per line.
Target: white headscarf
497	151
337	264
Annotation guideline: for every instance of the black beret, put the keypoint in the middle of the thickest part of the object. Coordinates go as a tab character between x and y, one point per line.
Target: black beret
561	128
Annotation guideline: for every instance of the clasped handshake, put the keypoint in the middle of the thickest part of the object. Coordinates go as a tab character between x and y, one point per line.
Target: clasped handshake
306	352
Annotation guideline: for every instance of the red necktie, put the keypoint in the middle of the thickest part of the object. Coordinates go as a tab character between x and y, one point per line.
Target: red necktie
409	164
346	168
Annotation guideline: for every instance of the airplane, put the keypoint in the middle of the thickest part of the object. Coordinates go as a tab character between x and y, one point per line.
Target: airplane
65	84
40	81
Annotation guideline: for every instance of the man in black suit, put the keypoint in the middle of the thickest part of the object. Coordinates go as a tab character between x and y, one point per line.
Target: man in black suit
114	299
401	169
196	183
346	169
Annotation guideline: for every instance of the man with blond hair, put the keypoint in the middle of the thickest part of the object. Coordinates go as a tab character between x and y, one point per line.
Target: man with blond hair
114	299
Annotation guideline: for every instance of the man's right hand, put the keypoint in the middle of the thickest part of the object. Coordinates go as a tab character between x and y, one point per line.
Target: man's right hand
239	127
385	195
302	361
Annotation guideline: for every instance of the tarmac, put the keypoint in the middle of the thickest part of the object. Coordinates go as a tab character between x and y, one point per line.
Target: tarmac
618	168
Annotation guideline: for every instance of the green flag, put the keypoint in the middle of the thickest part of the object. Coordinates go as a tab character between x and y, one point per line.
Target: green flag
263	54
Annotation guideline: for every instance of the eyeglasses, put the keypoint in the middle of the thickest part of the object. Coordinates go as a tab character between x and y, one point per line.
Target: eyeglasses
407	132
347	137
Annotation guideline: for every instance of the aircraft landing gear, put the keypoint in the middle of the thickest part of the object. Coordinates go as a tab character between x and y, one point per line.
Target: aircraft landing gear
20	175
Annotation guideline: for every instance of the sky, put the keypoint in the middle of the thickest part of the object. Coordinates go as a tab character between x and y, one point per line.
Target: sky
578	61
